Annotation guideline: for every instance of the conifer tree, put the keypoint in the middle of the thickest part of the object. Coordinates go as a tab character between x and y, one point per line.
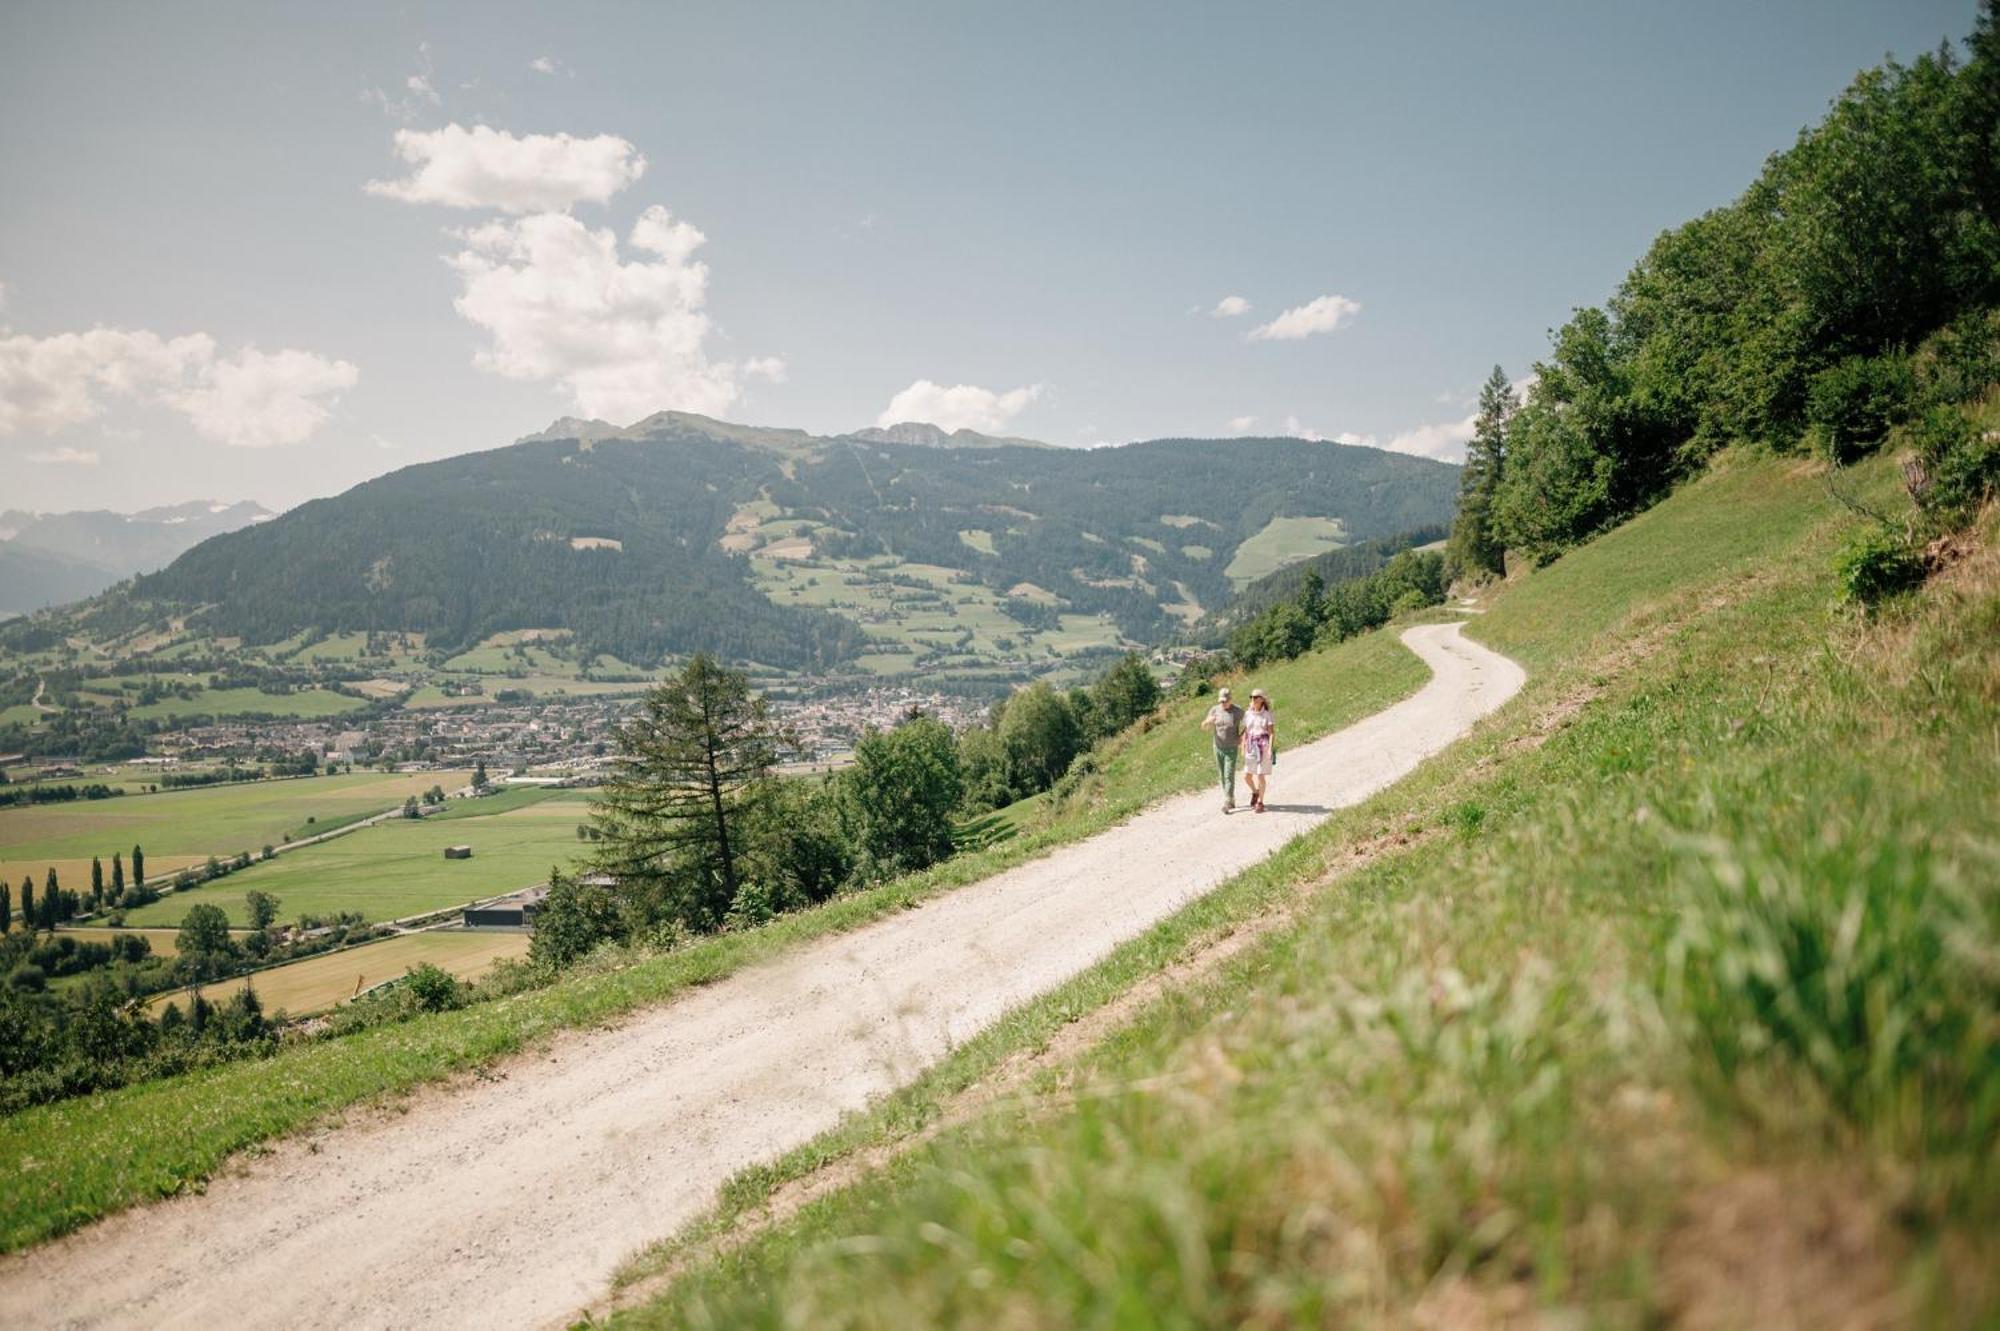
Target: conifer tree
29	920
1475	545
138	867
117	876
6	907
96	881
691	767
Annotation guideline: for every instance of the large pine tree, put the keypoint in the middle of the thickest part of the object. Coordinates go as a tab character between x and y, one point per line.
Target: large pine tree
691	767
1475	547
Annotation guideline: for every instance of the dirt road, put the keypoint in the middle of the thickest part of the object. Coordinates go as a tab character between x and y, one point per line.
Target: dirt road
509	1203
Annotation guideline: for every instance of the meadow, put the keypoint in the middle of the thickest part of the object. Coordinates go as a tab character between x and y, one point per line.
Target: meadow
183	827
1661	1000
397	868
318	983
1283	541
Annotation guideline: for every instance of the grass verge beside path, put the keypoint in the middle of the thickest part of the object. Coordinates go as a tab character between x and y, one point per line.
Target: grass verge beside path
1678	1009
64	1165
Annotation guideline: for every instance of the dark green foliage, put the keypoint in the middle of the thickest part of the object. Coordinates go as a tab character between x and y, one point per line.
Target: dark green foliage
1851	404
203	942
1040	736
263	908
1125	693
691	766
434	989
905	786
138	866
1475	546
575	917
1878	564
1410	581
805	845
1780	317
1960	465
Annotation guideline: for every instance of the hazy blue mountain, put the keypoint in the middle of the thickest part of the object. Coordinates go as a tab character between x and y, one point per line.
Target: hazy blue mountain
53	558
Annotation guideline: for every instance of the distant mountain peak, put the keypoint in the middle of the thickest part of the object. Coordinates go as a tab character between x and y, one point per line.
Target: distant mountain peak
927	435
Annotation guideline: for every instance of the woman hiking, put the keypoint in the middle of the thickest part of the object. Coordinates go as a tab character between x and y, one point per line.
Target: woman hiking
1260	751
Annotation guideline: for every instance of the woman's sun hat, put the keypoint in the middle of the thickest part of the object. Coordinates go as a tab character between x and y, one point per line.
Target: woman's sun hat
1259	693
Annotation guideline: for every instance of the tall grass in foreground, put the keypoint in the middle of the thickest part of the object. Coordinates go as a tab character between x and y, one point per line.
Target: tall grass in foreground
1737	920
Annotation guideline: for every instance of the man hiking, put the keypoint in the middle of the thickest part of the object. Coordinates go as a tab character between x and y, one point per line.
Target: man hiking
1225	722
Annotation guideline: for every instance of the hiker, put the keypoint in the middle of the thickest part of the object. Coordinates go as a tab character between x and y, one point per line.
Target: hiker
1260	751
1225	722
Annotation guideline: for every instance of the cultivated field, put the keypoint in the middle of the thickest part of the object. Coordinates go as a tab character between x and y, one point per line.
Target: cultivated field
183	827
397	868
318	983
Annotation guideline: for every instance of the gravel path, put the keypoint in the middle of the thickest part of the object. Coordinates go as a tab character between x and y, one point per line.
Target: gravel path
509	1202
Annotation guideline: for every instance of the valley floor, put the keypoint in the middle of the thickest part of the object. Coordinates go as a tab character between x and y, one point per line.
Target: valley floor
512	1200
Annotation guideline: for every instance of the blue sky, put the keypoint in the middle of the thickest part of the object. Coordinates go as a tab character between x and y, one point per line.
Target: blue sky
1020	217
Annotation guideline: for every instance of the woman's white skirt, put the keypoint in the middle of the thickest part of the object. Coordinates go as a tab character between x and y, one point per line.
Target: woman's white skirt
1257	759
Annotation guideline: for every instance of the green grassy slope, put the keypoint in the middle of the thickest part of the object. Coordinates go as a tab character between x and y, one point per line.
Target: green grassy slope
1677	1005
63	1165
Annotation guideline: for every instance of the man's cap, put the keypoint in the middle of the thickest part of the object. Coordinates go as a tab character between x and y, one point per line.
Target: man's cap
1222	692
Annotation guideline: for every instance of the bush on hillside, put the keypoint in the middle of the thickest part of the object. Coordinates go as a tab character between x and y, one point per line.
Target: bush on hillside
1853	403
1876	565
1960	465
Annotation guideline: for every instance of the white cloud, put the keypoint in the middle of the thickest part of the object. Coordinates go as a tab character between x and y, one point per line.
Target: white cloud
257	400
1444	440
960	407
482	167
1229	307
546	64
1320	315
1241	424
66	456
250	400
623	339
1352	439
1297	429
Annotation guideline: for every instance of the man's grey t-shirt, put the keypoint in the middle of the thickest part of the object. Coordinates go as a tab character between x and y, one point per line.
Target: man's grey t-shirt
1228	724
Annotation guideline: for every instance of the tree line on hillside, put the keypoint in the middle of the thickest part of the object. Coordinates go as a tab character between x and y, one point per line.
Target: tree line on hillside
1319	615
695	832
1847	297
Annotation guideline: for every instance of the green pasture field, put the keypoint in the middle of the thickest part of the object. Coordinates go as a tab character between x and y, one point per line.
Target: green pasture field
315	984
181	827
393	869
1283	541
307	703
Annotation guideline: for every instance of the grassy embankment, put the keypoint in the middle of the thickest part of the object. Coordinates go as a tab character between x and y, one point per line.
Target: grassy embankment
63	1165
1669	995
183	827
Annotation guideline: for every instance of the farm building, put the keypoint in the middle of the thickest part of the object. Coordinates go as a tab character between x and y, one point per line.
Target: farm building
515	912
458	852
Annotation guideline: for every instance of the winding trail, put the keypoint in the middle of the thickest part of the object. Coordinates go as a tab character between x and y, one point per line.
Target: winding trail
509	1202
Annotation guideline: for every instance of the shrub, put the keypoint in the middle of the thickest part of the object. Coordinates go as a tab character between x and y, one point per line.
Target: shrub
1876	565
1961	465
434	989
1851	404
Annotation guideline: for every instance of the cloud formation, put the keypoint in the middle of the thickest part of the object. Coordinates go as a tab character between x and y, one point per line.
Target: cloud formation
1229	307
257	400
1320	315
482	167
959	407
546	64
249	400
1444	440
623	338
1241	424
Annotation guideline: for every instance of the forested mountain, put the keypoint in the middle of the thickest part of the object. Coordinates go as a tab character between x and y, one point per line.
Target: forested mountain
52	558
646	541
